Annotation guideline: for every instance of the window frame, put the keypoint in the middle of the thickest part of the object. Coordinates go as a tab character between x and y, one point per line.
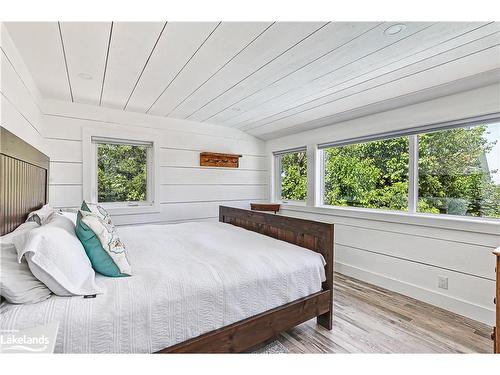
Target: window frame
318	187
91	139
277	176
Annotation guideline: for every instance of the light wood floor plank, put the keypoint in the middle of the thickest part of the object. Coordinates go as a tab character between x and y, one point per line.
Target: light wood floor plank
370	319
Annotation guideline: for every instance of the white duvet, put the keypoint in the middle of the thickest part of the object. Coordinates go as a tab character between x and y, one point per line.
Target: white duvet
188	279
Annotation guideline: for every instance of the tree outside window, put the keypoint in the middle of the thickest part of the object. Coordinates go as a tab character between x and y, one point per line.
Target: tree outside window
121	172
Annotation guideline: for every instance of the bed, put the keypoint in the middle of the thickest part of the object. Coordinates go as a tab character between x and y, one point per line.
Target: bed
198	287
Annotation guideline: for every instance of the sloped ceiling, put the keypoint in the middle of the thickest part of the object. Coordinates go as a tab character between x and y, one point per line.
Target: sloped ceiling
268	79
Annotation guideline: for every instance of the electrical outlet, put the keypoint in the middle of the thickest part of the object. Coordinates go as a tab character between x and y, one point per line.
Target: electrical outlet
442	282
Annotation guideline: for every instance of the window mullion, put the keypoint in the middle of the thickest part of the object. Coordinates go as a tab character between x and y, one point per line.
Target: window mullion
413	174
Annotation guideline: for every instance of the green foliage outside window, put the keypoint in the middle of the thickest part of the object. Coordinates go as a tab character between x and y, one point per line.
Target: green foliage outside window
458	173
121	173
294	176
371	175
454	174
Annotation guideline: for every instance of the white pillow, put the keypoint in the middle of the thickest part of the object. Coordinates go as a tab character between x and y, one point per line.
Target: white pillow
17	283
70	215
41	216
57	258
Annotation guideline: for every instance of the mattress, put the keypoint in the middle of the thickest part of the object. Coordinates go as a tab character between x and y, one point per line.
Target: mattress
188	279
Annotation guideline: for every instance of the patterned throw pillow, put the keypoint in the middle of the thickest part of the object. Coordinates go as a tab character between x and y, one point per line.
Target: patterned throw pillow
96	209
101	242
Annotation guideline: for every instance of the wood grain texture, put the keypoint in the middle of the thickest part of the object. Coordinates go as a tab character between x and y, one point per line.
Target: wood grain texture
214	159
312	235
23	181
370	319
274	207
271	79
249	332
245	334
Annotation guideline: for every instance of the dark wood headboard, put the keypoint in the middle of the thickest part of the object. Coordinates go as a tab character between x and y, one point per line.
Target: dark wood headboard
313	235
24	173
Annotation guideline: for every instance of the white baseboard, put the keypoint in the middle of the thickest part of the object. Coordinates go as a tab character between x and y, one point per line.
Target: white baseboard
458	306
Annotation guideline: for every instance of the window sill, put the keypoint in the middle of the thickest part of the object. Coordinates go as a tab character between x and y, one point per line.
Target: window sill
476	225
123	209
293	203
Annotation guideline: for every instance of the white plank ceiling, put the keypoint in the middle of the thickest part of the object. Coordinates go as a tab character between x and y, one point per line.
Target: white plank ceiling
268	79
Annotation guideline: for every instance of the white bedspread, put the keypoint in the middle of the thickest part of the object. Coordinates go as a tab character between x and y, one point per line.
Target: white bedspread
188	279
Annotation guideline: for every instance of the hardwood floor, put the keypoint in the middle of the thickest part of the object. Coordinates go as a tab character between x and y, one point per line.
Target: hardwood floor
369	319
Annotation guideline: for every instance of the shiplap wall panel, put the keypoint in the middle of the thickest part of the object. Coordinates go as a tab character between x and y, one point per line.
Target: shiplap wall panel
421	45
60	127
65	196
17	93
212	176
65	173
469	296
39	44
179	212
201	193
14	121
20	99
467	258
82	114
446	231
11	51
64	150
187	191
188	158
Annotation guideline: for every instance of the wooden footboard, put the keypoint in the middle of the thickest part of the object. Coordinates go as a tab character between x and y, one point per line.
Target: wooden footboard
242	335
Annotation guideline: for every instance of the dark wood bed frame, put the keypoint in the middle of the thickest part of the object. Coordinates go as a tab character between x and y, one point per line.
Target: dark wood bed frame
24	187
247	333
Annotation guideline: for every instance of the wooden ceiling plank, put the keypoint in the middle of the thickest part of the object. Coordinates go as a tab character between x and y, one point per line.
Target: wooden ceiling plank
131	45
271	44
40	47
176	46
357	73
484	59
230	40
292	88
314	51
86	45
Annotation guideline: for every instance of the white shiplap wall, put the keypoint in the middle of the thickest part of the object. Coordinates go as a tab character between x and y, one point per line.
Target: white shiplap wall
407	253
20	99
188	191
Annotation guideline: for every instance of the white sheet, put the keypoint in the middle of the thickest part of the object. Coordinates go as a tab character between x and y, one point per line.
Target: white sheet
188	279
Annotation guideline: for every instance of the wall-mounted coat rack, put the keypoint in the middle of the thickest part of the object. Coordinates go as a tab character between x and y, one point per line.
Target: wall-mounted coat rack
213	159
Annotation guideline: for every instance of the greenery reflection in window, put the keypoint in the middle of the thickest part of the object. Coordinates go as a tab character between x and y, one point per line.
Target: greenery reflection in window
372	174
459	171
122	172
293	176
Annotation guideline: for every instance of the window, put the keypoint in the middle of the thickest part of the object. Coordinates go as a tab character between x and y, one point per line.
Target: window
454	171
371	174
458	171
291	175
123	171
